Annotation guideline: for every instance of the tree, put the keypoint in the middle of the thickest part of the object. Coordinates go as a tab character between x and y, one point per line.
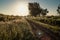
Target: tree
58	10
34	9
44	12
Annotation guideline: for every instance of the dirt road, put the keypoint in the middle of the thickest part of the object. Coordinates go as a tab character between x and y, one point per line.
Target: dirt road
47	34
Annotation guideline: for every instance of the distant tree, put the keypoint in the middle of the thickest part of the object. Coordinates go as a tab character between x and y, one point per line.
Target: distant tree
44	12
34	9
58	10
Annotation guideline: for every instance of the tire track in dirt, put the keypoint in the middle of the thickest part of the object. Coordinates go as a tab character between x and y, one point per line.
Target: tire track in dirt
48	33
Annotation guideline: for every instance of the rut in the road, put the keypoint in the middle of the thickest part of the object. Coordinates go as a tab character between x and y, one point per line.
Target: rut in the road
46	31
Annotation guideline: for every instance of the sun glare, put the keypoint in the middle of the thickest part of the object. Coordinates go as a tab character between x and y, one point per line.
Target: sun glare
23	9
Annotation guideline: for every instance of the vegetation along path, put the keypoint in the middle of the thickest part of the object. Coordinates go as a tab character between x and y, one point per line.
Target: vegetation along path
46	34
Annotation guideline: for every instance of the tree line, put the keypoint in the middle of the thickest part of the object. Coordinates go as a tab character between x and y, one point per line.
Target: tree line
35	9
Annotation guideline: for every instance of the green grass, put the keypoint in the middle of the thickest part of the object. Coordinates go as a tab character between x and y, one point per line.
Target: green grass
55	29
51	21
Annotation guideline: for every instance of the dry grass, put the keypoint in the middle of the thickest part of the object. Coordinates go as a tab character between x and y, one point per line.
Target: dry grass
15	30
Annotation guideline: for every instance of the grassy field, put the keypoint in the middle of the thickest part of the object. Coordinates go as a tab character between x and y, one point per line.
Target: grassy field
51	23
54	21
15	29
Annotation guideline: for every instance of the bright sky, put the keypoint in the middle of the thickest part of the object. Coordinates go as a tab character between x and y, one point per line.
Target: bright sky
20	7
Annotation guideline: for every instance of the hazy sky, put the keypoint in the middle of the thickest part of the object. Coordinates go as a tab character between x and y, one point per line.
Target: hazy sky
12	6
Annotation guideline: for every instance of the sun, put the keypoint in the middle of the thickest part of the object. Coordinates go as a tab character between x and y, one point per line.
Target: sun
23	9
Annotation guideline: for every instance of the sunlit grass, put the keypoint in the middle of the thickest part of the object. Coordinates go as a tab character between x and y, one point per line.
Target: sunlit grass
17	29
55	29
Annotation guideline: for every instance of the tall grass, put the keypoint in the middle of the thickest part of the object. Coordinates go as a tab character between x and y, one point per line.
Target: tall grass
15	30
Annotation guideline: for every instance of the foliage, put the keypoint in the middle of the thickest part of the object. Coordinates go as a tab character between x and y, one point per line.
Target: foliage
51	20
5	18
44	12
58	10
35	9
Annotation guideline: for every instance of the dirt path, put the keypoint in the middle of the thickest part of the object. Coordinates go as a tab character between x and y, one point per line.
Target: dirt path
48	35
